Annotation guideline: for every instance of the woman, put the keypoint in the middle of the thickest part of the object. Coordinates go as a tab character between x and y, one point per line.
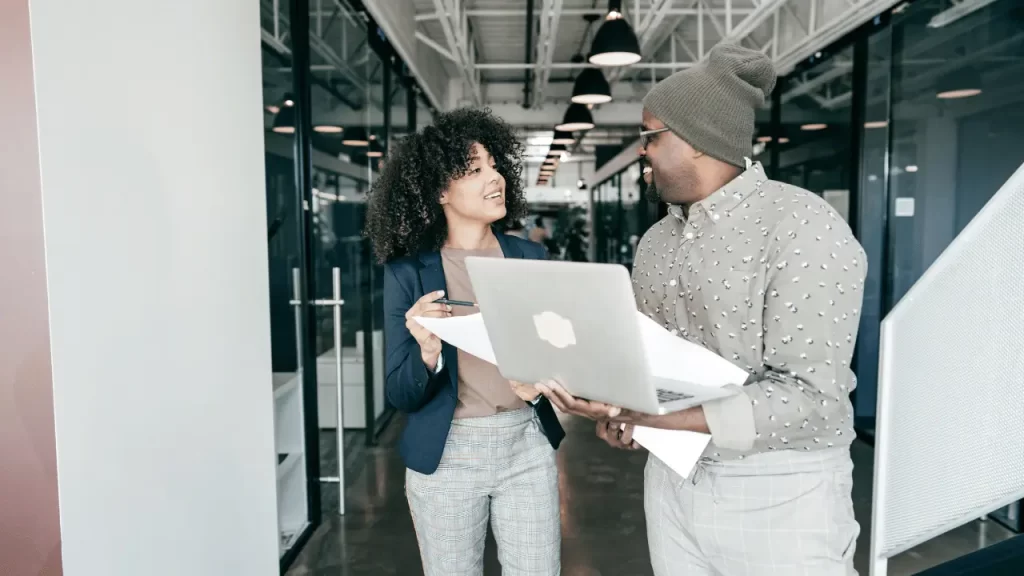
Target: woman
476	446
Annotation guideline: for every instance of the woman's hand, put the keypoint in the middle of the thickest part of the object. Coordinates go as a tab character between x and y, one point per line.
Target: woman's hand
430	345
526	392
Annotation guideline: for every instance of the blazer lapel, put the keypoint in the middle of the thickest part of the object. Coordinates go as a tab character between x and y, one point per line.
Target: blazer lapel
431	279
431	272
508	248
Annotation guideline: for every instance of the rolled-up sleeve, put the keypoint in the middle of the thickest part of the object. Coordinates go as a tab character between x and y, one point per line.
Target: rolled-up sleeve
812	306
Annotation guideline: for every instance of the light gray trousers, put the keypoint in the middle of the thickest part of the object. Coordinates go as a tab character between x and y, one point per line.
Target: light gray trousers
781	513
499	468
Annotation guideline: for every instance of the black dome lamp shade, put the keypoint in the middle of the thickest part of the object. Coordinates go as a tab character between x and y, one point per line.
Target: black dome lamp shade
356	137
577	118
615	43
284	120
563	138
591	87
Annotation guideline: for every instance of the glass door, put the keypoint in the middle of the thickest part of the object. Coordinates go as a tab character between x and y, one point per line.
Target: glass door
296	457
351	91
328	94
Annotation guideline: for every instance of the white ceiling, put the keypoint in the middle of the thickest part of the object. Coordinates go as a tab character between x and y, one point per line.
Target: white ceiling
482	43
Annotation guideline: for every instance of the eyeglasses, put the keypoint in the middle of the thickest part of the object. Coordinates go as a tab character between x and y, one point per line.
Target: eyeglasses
647	135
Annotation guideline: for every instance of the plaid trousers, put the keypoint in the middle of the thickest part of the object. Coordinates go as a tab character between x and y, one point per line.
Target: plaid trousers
780	513
500	468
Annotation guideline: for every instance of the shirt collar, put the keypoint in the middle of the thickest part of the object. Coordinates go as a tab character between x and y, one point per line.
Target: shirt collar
728	197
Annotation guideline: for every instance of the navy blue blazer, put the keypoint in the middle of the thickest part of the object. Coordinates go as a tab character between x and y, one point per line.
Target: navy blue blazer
430	399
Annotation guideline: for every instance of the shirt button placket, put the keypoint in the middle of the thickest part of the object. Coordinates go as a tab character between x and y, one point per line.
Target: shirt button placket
675	289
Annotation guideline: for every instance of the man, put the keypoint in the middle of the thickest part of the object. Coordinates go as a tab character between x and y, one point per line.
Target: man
768	276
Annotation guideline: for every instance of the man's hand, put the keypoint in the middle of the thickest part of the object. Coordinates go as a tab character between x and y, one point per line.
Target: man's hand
570	405
617	435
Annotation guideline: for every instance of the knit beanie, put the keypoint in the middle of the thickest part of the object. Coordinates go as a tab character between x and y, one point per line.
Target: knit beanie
711	105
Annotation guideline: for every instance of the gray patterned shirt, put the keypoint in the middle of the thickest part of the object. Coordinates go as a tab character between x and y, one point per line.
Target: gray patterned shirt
770	277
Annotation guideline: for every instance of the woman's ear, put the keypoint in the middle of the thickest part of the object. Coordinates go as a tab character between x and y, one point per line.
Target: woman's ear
444	198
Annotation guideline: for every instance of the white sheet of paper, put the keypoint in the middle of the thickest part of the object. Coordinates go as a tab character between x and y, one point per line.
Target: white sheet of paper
667	355
679	449
675	358
467	333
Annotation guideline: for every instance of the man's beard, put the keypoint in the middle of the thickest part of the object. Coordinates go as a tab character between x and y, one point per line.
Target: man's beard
676	188
651	193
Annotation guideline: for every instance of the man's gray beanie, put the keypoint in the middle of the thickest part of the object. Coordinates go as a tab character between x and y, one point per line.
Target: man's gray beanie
711	105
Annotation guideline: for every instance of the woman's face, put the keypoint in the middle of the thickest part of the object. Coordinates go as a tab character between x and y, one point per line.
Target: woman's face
479	195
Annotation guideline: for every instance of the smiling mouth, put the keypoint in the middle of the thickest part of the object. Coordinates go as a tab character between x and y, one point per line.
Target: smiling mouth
493	196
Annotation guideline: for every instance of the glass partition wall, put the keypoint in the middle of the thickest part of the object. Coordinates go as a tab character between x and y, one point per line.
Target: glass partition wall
916	114
332	89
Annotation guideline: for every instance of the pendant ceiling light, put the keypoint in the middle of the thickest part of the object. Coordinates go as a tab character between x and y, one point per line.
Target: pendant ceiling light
591	87
356	137
615	43
962	83
284	120
563	138
376	150
577	118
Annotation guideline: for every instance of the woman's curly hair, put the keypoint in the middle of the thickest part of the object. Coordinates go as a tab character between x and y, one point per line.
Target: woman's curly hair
404	214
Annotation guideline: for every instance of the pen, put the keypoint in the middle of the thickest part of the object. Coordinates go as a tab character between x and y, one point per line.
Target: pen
455	302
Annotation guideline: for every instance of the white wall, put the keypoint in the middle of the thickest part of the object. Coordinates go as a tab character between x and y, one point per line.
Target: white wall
153	189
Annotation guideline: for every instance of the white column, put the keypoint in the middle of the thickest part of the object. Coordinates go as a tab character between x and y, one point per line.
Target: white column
151	162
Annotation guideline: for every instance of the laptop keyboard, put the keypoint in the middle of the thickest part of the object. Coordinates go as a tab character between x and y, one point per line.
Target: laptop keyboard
671	396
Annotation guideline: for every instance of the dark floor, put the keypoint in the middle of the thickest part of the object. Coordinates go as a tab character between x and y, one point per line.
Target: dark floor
603	532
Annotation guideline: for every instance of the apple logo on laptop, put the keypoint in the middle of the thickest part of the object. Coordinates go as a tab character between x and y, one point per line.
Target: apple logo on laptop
554	329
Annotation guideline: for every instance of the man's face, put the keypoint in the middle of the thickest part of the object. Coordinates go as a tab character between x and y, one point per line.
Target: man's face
673	175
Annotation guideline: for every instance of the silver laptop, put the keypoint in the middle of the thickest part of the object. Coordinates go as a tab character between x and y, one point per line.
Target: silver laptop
575	323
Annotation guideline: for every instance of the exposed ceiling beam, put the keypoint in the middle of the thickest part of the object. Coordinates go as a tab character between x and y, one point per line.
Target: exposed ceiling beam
839	68
276	39
435	46
825	33
572	65
458	46
726	31
550	14
510	13
753	20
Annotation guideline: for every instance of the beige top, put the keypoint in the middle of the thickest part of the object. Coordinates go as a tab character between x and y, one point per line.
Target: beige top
768	276
482	390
